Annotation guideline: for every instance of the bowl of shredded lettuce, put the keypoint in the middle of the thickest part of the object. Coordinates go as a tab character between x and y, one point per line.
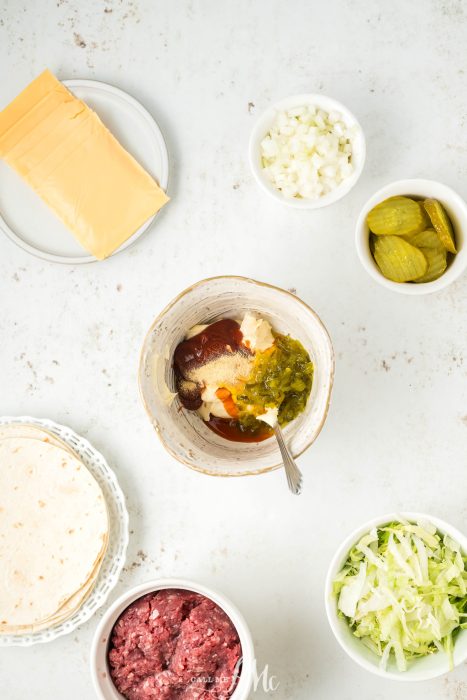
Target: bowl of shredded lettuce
396	596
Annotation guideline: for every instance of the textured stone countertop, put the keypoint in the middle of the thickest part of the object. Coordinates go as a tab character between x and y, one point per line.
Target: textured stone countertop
396	434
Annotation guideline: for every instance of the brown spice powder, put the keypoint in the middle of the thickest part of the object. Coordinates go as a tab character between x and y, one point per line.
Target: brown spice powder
225	370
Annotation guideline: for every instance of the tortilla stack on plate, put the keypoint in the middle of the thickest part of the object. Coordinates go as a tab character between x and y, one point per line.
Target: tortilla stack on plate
54	530
28	430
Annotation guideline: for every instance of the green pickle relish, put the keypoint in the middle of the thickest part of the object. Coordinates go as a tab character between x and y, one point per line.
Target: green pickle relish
282	377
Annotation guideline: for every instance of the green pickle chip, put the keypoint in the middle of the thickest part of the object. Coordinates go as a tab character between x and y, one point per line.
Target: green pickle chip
409	239
397	216
437	263
441	223
398	260
425	239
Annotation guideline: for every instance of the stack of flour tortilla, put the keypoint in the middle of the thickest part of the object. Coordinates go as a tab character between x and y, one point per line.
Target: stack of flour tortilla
54	530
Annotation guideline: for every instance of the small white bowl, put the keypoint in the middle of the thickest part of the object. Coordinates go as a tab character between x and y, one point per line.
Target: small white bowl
264	124
420	669
103	684
184	435
456	208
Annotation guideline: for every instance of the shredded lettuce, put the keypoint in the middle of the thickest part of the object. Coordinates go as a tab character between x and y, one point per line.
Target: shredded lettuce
403	592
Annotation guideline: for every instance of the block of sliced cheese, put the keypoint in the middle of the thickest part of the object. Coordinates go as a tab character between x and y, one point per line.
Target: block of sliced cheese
72	161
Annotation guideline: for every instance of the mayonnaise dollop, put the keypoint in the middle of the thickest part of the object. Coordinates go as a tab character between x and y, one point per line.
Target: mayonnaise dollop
257	332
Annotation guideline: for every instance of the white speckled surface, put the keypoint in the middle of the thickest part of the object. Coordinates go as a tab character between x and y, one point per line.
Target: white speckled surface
70	337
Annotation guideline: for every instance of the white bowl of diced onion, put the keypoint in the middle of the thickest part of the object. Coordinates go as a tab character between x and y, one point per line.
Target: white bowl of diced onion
421	668
307	151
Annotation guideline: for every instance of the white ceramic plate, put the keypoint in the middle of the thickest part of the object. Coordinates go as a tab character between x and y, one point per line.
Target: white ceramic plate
29	222
114	558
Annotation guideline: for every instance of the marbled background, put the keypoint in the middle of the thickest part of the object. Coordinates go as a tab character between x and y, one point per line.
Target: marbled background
396	435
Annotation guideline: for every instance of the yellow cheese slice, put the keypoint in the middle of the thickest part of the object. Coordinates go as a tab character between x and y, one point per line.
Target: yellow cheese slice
71	160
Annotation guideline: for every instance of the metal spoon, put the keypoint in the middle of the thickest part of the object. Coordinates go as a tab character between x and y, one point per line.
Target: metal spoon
293	473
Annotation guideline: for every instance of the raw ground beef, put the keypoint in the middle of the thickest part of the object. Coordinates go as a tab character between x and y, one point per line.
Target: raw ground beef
174	645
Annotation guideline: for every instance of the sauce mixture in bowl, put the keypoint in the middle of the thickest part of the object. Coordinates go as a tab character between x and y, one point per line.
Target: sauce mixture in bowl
242	377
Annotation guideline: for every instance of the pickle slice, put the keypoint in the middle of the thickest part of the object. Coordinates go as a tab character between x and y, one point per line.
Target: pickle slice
437	263
425	239
397	216
441	223
398	260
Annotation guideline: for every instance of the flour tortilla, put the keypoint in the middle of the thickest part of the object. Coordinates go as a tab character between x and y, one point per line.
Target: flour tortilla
27	430
53	532
66	611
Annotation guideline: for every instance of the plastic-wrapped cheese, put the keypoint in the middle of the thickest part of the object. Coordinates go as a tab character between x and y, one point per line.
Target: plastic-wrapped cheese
60	147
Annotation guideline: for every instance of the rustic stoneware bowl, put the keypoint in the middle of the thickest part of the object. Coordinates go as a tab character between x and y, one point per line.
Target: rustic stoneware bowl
421	669
103	684
183	433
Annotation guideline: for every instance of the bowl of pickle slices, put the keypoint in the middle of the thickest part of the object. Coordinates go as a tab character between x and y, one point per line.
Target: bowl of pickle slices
410	236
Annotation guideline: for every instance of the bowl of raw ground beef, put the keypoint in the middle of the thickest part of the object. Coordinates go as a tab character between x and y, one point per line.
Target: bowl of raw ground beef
172	640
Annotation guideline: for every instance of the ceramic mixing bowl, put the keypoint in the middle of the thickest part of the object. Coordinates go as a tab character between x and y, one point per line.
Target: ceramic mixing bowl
183	433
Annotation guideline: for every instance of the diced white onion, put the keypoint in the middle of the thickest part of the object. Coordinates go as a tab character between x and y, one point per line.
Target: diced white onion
308	152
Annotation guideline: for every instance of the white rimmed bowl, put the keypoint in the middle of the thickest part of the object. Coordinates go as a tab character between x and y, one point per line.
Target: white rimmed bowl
420	669
456	208
182	432
102	680
264	124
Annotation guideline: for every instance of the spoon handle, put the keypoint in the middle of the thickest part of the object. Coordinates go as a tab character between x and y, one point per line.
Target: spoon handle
293	473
